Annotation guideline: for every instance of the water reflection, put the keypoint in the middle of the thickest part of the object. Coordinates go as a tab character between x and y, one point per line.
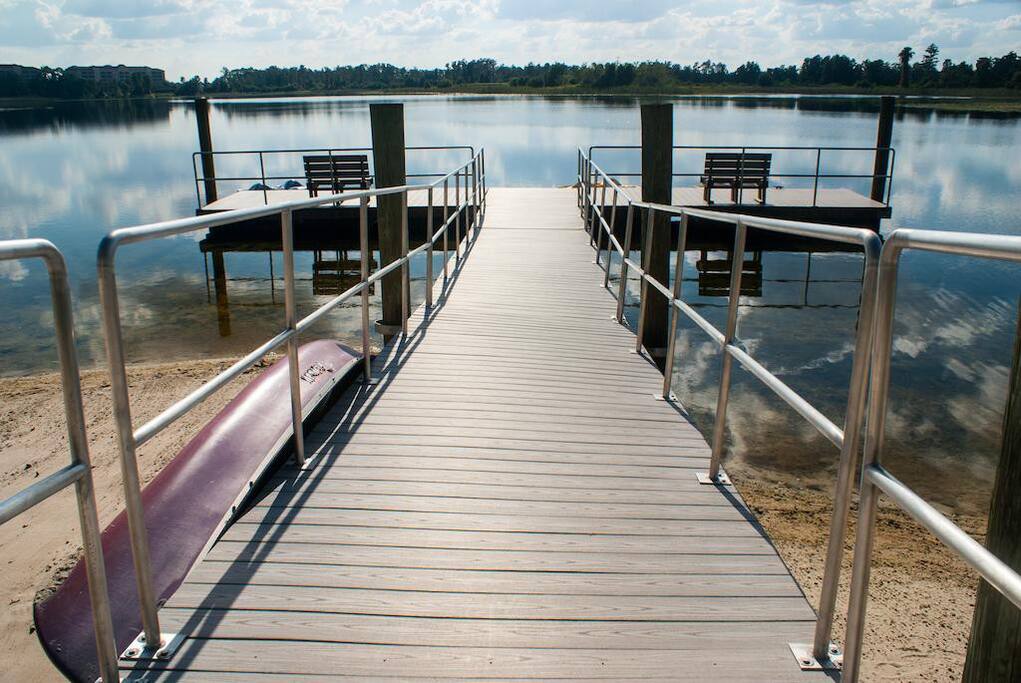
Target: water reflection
73	172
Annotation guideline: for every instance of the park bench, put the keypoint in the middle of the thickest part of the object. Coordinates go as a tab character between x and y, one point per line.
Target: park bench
736	170
336	173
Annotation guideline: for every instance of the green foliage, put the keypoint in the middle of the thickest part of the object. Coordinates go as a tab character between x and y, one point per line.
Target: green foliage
819	70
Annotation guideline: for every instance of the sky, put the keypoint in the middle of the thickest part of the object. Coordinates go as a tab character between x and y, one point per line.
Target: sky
187	37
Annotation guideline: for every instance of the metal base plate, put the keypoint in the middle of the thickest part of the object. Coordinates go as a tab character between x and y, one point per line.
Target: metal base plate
808	662
138	651
371	382
671	397
721	479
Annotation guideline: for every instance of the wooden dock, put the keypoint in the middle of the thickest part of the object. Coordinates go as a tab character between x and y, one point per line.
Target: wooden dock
510	502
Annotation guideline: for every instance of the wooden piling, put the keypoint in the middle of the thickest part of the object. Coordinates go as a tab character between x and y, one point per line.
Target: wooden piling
994	648
206	147
884	136
387	122
657	183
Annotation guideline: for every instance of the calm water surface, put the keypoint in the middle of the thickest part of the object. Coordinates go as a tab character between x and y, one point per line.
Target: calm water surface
71	173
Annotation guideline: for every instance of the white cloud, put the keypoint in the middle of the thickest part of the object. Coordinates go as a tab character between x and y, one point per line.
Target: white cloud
200	36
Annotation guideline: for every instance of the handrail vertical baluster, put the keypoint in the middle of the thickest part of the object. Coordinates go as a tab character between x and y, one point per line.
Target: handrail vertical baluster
116	361
682	243
457	216
291	314
363	241
262	172
646	260
622	284
429	253
719	427
406	266
446	226
609	239
597	226
815	186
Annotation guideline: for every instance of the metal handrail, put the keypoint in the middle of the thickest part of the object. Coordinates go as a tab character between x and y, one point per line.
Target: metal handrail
875	478
471	174
890	152
261	153
821	653
79	472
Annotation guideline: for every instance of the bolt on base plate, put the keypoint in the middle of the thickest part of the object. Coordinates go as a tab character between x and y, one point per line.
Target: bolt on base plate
721	479
671	397
802	652
138	650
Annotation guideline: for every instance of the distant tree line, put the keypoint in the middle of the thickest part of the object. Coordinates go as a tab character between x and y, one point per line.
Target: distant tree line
56	83
829	70
928	72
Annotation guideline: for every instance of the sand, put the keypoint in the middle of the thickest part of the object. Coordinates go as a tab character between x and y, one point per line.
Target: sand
40	546
921	599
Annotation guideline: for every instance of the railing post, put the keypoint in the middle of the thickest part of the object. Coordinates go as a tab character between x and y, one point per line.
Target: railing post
716	475
647	254
822	654
475	194
446	230
600	219
671	347
815	185
363	241
92	545
626	248
429	253
291	313
609	240
406	266
126	442
457	216
262	173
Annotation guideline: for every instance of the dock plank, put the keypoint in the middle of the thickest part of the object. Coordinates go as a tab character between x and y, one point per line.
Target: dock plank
509	502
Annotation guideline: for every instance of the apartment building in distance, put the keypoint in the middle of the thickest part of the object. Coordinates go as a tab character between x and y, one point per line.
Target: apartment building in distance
116	74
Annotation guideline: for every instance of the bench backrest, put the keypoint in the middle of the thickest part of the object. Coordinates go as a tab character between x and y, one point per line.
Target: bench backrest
729	166
337	172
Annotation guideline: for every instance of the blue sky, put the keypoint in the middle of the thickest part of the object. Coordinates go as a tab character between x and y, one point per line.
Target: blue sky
200	36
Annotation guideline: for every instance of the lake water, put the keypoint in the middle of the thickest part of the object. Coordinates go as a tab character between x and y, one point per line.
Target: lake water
73	172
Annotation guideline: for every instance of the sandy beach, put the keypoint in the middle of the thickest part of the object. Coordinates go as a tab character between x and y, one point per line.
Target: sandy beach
920	609
40	546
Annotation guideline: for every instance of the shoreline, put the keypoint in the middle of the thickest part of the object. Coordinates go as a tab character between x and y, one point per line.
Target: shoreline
963	101
921	596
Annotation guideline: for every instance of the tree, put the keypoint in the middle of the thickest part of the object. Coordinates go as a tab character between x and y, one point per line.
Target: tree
905	56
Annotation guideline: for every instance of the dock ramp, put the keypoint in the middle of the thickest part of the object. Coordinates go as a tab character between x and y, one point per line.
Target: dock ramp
509	502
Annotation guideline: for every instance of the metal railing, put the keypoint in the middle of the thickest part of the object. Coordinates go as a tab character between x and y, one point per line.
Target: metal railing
875	479
79	472
261	155
469	210
593	180
886	154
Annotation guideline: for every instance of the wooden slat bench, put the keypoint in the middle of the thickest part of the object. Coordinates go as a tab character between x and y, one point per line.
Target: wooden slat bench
736	170
336	173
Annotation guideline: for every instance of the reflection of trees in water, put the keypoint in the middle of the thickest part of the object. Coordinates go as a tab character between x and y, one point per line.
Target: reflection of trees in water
84	115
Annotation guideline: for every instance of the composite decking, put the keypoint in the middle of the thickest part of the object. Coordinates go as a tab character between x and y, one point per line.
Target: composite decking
510	502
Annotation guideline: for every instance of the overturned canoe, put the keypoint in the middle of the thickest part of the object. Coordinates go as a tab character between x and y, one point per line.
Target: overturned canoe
188	504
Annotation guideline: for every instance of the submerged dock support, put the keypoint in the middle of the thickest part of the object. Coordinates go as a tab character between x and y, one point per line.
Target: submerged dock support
206	148
657	181
884	136
389	169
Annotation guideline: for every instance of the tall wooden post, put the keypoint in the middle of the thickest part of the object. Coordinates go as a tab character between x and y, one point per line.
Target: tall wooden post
387	122
657	184
884	136
994	649
206	147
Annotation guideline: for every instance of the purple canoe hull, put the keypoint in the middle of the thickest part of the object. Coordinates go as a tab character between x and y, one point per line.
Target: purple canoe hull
187	504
